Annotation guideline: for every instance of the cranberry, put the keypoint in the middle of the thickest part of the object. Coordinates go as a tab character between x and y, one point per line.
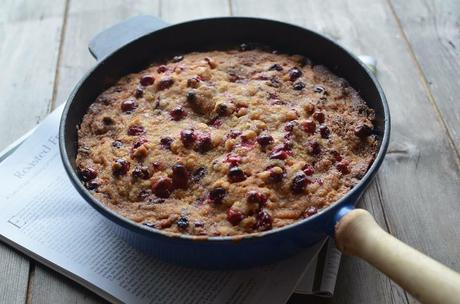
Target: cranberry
178	113
298	86
255	197
180	176
319	116
203	142
279	154
163	187
198	174
120	167
294	73
166	142
234	134
314	147
177	58
319	89
309	126
264	220
217	195
139	142
165	83
182	223
147	80
232	77
233	159
298	183
92	184
264	139
128	105
162	69
138	92
193	82
308	170
289	127
343	167
312	210
117	144
191	96
324	131
276	67
136	130
187	136
215	122
234	216
336	155
235	174
362	130
88	174
141	172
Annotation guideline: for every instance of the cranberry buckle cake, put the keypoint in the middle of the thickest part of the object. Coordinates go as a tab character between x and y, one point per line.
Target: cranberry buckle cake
225	142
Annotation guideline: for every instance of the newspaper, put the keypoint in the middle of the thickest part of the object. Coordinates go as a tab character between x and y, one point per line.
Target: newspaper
43	216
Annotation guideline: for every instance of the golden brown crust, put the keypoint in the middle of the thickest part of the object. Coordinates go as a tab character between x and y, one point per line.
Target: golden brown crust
225	142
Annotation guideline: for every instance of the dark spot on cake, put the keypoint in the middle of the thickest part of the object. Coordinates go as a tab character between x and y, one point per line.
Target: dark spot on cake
233	159
234	134
198	174
276	67
177	58
147	80
264	139
320	90
298	183
313	147
187	137
362	130
92	184
198	224
136	130
312	210
117	144
319	116
298	86
182	223
162	187
222	109
193	82
294	73
120	167
255	197
191	97
324	131
141	172
342	167
180	176
217	195
108	121
162	69
309	126
279	154
178	113
165	83
138	92
235	175
87	174
308	170
166	142
264	221
289	127
203	142
234	216
128	105
276	173
156	200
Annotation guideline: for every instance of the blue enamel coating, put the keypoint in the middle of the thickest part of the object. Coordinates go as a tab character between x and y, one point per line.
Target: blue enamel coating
222	252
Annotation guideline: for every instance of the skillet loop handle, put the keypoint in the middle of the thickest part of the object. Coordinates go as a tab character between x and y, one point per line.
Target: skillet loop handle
111	39
427	280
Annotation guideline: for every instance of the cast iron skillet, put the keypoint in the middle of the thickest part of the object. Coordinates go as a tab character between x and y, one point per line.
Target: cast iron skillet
130	46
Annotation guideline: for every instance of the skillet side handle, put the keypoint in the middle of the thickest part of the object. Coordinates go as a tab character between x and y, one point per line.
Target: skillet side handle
429	281
122	33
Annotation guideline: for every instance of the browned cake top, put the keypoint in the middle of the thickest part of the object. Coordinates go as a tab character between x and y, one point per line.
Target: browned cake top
225	142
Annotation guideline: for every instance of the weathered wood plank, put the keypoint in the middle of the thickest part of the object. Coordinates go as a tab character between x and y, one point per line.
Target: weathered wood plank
419	179
14	274
433	29
29	33
182	10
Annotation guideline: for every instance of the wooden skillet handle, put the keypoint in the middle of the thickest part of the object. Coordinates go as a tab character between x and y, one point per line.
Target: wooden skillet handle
427	280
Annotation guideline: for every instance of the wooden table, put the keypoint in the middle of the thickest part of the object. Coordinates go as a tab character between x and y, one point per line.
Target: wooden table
43	53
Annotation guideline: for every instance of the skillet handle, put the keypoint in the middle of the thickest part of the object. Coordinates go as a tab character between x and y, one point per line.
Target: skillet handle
427	280
122	33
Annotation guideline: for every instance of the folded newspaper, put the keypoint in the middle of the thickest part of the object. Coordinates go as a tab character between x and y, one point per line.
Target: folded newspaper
43	216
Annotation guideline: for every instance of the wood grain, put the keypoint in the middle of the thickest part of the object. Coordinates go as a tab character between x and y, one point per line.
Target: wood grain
433	29
14	274
419	179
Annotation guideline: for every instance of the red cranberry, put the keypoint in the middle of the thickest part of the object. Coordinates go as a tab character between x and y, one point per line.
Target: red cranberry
178	113
319	116
141	172
193	82
136	130
182	223
255	197
217	195
234	134
309	126
319	89
191	96
177	58
294	73
324	131
120	167
308	170
336	155
343	167
165	83
234	216
180	176
314	147
163	187
276	67
203	142
187	136
298	86
233	159
235	175
88	174
128	105
264	221
147	80
162	69
215	122
166	142
362	130
312	210
298	183
279	154
264	139
289	127
198	174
